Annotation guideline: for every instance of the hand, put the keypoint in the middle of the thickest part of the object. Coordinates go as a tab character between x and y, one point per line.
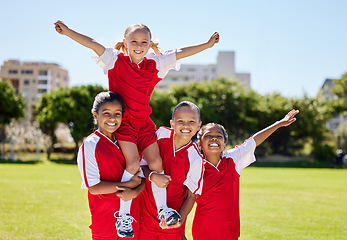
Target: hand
161	180
289	118
213	39
134	181
164	225
126	194
60	27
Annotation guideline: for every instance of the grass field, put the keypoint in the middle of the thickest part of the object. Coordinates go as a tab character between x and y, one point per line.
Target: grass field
44	201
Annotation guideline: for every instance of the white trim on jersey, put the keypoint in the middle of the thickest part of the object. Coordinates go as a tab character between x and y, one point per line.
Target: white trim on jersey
86	161
194	180
107	60
164	62
242	155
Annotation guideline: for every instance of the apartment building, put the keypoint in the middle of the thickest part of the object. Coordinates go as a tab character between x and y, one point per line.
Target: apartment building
33	79
225	67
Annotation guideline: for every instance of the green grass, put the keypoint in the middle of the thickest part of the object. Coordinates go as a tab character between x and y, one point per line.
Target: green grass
44	201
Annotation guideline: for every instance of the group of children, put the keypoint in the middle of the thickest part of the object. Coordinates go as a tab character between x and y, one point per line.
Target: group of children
151	198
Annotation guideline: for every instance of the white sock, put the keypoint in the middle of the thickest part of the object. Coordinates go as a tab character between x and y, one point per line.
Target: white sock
159	195
125	206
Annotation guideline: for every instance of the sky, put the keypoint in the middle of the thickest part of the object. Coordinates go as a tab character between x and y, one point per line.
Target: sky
288	47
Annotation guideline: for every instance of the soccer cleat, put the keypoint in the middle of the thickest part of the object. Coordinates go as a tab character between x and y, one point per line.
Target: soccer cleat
123	225
170	215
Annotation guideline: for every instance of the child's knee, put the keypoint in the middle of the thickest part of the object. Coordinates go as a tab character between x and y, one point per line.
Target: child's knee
133	167
156	164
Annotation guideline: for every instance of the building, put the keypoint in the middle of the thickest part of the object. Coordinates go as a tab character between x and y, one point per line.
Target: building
326	94
33	79
225	67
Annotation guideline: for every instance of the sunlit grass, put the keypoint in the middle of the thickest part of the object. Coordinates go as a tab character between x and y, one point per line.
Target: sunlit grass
44	201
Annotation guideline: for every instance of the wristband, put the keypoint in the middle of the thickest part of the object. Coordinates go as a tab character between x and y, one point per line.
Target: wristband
149	176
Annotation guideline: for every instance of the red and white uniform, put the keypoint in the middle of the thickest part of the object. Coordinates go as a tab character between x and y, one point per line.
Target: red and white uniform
185	166
217	211
100	159
135	83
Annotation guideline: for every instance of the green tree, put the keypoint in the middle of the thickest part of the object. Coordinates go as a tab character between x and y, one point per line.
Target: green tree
340	90
47	117
223	101
11	105
70	106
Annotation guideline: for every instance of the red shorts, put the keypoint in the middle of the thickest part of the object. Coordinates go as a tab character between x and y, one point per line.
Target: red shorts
138	131
158	236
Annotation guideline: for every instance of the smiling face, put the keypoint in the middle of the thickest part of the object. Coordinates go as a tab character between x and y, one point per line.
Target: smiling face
212	140
109	118
186	122
138	42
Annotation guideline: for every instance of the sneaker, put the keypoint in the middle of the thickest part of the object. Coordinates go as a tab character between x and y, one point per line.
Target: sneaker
123	225
170	215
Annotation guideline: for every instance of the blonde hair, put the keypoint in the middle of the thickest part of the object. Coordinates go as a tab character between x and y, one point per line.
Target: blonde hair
130	29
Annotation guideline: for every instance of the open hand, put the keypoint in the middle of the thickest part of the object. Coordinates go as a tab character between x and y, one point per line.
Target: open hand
289	118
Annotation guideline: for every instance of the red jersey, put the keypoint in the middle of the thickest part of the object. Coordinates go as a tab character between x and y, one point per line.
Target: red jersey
185	166
100	159
217	211
135	82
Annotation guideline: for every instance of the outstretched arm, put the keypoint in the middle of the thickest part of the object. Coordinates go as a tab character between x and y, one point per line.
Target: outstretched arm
260	136
191	50
84	40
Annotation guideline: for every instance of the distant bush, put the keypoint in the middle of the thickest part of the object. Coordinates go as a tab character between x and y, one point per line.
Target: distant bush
323	152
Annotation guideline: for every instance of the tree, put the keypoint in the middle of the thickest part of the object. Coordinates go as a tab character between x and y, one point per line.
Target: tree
222	101
70	106
340	90
11	105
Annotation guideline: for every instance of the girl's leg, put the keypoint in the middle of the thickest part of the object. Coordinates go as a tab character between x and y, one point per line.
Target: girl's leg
124	219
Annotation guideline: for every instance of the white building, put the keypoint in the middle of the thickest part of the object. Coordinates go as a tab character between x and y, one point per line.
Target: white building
326	94
225	67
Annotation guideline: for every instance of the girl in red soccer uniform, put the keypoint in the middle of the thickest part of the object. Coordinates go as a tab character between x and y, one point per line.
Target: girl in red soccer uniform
217	212
101	164
133	73
183	162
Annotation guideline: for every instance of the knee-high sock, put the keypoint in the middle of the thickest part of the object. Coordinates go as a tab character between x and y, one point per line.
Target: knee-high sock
159	195
125	206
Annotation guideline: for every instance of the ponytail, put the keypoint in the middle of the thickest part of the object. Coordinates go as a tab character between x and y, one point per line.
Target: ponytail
155	48
121	47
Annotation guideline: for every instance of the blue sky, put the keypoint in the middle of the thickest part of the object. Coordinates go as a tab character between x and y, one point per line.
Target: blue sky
289	47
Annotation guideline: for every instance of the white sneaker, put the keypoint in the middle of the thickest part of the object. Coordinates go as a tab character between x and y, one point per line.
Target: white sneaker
170	215
123	225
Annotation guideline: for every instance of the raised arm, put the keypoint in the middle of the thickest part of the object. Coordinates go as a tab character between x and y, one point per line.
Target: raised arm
84	40
260	136
191	50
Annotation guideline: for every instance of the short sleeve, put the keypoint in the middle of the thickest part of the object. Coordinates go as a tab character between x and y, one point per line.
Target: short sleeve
107	60
194	179
242	155
165	62
87	165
